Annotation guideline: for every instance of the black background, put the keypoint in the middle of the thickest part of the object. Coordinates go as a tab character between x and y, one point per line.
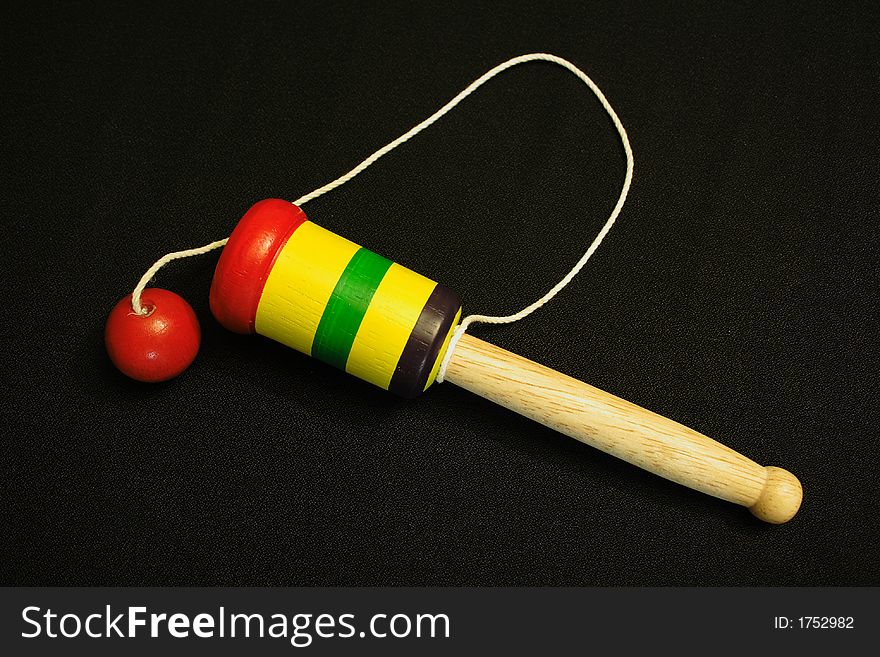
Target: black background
734	295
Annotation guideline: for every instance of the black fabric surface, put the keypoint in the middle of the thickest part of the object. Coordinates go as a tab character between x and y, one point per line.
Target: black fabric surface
736	294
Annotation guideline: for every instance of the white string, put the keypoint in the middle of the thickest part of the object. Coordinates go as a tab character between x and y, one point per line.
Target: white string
161	262
473	86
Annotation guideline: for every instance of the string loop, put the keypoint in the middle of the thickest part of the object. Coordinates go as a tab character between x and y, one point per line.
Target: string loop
412	132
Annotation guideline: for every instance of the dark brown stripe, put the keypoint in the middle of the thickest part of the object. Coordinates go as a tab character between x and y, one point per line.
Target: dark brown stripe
425	342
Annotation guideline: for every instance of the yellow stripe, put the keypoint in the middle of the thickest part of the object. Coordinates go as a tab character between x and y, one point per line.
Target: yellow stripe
386	327
443	349
300	284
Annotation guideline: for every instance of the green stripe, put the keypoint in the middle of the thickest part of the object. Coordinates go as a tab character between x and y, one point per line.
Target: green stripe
347	306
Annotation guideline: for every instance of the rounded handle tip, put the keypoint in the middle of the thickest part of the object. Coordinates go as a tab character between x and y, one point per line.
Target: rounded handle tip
780	499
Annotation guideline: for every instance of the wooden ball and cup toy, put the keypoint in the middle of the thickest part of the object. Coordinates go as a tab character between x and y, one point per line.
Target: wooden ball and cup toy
284	277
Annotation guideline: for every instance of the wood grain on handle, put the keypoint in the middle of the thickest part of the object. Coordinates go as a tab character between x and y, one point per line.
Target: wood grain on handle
623	429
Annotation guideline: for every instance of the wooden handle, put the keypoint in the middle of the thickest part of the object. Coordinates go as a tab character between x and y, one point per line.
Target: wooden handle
623	429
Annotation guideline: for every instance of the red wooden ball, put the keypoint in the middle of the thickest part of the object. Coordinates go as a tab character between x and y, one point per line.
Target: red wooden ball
156	346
